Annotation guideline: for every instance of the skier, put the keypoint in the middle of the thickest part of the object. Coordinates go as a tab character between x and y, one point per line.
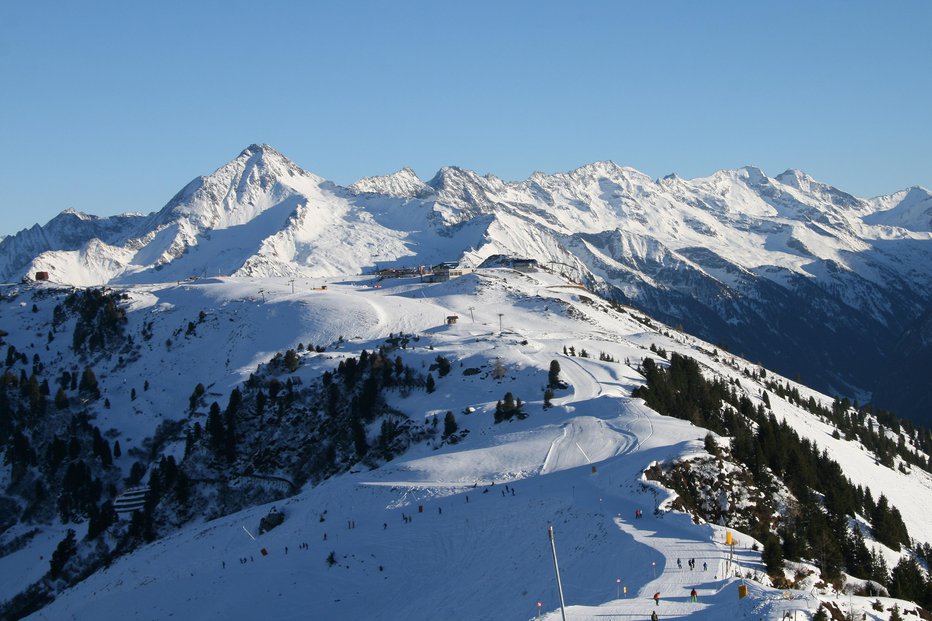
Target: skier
694	596
653	616
657	598
679	564
705	566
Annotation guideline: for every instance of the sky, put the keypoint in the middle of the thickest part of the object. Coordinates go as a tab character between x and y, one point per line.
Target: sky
110	107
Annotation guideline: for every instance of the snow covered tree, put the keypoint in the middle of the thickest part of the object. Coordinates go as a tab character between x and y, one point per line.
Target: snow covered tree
498	370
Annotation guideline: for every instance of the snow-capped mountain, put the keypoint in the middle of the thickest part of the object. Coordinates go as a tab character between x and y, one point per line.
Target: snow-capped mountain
786	270
402	184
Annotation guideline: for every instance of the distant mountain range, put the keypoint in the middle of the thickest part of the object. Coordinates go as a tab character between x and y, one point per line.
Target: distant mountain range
794	273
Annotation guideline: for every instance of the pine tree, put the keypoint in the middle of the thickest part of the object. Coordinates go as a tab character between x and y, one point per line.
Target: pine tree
196	396
548	396
67	548
443	366
431	386
214	427
773	555
907	581
292	361
236	398
89	382
554	374
102	449
117	451
260	405
359	438
100	520
61	399
821	614
229	438
449	424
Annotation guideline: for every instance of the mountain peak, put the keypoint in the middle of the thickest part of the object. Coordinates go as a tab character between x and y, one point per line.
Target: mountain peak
260	149
796	178
599	167
403	183
451	176
752	174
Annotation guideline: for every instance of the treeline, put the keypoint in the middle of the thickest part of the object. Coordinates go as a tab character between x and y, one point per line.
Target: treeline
275	424
857	425
60	466
818	527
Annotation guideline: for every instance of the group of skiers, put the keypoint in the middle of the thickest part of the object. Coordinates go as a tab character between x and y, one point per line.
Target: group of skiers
692	564
693	597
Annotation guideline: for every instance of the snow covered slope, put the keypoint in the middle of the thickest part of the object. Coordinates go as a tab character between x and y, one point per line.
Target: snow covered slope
446	530
731	257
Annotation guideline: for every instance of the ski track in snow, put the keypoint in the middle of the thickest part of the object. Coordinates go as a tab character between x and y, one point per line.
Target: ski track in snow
475	543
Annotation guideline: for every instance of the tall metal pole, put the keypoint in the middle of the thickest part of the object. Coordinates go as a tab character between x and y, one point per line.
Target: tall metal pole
556	568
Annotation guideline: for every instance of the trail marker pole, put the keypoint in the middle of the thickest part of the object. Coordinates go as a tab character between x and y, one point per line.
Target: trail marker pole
500	315
539	604
556	569
471	309
618	584
653	565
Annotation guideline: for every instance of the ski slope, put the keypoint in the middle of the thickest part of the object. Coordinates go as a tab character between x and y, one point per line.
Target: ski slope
444	531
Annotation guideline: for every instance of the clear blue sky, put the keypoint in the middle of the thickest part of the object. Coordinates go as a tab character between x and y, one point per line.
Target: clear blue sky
113	106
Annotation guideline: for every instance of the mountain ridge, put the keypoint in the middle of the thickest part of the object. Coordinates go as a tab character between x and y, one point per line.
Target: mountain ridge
729	250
